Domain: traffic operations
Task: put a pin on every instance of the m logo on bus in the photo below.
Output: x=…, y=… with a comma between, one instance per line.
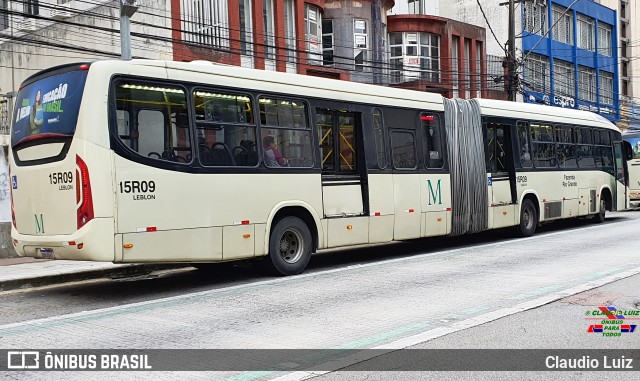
x=435, y=196
x=39, y=224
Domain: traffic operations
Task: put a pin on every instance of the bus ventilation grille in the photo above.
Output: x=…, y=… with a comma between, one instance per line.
x=592, y=205
x=552, y=210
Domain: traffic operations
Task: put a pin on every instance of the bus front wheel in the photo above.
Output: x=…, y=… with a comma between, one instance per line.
x=528, y=219
x=290, y=246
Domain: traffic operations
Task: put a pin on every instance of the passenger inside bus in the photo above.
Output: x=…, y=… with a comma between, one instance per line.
x=246, y=154
x=272, y=156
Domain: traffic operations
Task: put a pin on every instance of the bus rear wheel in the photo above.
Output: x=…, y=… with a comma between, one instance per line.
x=528, y=219
x=600, y=216
x=290, y=246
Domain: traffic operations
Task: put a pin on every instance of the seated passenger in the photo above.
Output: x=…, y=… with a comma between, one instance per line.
x=272, y=157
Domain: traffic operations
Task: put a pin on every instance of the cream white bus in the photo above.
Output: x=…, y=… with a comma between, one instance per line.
x=633, y=138
x=154, y=161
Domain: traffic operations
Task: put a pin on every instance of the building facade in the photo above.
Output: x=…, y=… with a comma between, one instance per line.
x=628, y=32
x=36, y=35
x=430, y=53
x=329, y=38
x=570, y=55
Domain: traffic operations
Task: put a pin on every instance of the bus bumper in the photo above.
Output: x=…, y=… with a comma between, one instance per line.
x=94, y=242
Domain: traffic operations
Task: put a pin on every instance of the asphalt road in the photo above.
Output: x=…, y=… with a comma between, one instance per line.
x=433, y=293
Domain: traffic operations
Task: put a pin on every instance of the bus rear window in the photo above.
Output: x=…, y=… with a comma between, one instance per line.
x=48, y=107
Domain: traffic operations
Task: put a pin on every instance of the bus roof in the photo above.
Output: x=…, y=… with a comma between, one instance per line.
x=543, y=113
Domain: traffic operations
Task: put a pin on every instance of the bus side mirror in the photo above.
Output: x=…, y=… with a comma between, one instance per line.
x=628, y=150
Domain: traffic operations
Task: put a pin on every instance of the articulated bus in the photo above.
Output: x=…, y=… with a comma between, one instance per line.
x=155, y=161
x=633, y=138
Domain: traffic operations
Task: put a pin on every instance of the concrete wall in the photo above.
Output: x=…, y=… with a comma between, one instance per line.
x=468, y=11
x=20, y=59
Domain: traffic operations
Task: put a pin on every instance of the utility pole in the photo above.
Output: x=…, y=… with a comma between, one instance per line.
x=376, y=44
x=512, y=84
x=127, y=9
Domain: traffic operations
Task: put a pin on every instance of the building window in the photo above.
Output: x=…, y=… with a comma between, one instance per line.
x=537, y=73
x=246, y=30
x=313, y=30
x=290, y=29
x=360, y=43
x=606, y=87
x=604, y=40
x=466, y=68
x=327, y=42
x=268, y=29
x=206, y=22
x=586, y=33
x=478, y=80
x=455, y=41
x=414, y=55
x=564, y=78
x=535, y=18
x=563, y=25
x=4, y=16
x=416, y=7
x=586, y=84
x=31, y=7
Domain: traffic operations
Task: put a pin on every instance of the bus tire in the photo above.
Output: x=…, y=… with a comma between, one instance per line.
x=290, y=247
x=601, y=215
x=528, y=219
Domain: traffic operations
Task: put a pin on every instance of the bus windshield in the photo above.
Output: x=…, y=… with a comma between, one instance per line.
x=48, y=107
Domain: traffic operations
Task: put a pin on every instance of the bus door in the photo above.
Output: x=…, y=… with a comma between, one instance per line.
x=344, y=192
x=502, y=187
x=621, y=196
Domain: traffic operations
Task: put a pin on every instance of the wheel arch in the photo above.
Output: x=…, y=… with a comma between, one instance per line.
x=533, y=196
x=298, y=209
x=606, y=195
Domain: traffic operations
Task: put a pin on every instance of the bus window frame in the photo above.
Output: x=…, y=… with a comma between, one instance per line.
x=574, y=142
x=439, y=116
x=310, y=127
x=212, y=125
x=416, y=153
x=122, y=149
x=385, y=139
x=519, y=162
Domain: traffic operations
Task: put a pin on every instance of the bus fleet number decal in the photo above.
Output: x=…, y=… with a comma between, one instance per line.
x=522, y=180
x=139, y=189
x=63, y=179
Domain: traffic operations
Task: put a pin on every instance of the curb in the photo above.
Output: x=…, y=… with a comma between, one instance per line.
x=120, y=272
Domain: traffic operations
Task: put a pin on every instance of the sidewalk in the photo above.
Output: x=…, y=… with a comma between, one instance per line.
x=27, y=272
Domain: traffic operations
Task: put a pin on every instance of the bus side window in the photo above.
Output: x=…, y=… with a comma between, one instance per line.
x=525, y=146
x=160, y=129
x=403, y=149
x=431, y=140
x=379, y=135
x=585, y=148
x=284, y=124
x=124, y=127
x=544, y=146
x=566, y=147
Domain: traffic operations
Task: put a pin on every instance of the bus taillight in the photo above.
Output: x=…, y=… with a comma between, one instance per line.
x=13, y=214
x=83, y=193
